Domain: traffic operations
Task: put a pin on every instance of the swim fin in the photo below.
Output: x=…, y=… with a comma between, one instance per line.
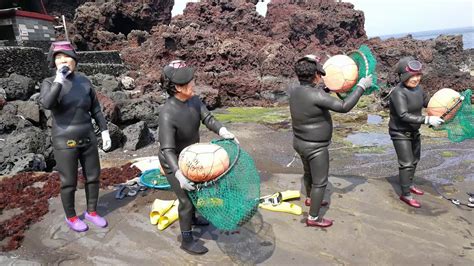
x=282, y=207
x=169, y=218
x=290, y=194
x=276, y=198
x=159, y=208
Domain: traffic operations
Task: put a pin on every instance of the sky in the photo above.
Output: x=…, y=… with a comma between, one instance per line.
x=384, y=17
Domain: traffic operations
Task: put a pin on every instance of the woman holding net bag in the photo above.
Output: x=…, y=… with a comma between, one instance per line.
x=179, y=123
x=406, y=101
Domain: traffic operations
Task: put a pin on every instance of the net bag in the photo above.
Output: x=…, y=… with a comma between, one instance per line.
x=231, y=199
x=366, y=64
x=461, y=127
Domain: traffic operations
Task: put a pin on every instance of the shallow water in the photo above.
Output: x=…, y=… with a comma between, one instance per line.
x=369, y=139
x=374, y=119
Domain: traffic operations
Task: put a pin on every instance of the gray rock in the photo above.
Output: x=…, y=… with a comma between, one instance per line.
x=8, y=123
x=26, y=139
x=26, y=61
x=155, y=133
x=209, y=96
x=105, y=83
x=135, y=110
x=29, y=110
x=17, y=87
x=118, y=96
x=275, y=96
x=137, y=136
x=23, y=163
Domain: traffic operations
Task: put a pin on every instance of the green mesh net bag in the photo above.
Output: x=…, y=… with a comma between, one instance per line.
x=366, y=64
x=461, y=126
x=230, y=200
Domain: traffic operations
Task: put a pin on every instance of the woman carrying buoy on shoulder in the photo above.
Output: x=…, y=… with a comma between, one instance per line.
x=406, y=101
x=310, y=104
x=179, y=123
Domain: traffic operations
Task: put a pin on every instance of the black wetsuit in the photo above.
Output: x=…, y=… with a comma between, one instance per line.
x=179, y=127
x=312, y=129
x=404, y=125
x=72, y=106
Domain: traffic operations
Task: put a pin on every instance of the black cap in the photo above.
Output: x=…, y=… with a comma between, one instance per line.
x=63, y=47
x=403, y=69
x=179, y=73
x=314, y=59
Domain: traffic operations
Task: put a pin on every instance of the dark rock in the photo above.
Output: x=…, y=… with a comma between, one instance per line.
x=135, y=110
x=28, y=110
x=118, y=96
x=109, y=107
x=8, y=123
x=155, y=133
x=208, y=95
x=443, y=59
x=17, y=87
x=137, y=136
x=105, y=83
x=13, y=60
x=104, y=57
x=23, y=163
x=95, y=68
x=25, y=140
x=104, y=27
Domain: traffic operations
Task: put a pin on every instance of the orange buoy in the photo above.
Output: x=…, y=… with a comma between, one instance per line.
x=202, y=162
x=341, y=73
x=442, y=101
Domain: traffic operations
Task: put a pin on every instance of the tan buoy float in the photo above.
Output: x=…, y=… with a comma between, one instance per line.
x=341, y=73
x=203, y=162
x=445, y=102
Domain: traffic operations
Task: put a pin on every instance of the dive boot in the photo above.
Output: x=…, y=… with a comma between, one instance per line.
x=190, y=245
x=320, y=222
x=307, y=202
x=416, y=191
x=410, y=201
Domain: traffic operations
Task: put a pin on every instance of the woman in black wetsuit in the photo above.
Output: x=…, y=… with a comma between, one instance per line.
x=310, y=104
x=73, y=103
x=179, y=123
x=406, y=101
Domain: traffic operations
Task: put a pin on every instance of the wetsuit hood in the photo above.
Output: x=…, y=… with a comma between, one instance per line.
x=61, y=47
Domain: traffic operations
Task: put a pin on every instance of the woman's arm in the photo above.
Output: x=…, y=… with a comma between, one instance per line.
x=49, y=94
x=167, y=134
x=341, y=106
x=96, y=112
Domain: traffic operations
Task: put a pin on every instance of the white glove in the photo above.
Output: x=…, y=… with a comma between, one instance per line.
x=106, y=141
x=225, y=134
x=365, y=82
x=185, y=183
x=433, y=121
x=61, y=73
